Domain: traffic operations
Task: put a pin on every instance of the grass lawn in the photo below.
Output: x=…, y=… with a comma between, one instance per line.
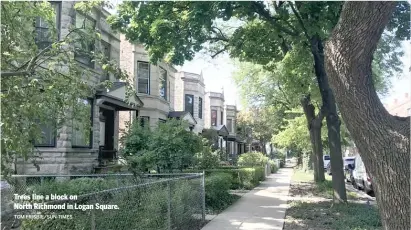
x=311, y=207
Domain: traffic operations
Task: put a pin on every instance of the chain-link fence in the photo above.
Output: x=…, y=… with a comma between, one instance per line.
x=104, y=201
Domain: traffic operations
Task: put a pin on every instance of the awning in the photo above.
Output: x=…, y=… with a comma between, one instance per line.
x=184, y=115
x=230, y=138
x=221, y=130
x=116, y=97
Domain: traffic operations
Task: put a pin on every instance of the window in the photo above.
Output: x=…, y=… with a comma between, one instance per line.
x=86, y=46
x=145, y=121
x=162, y=120
x=222, y=117
x=82, y=134
x=143, y=76
x=230, y=125
x=189, y=104
x=43, y=36
x=214, y=117
x=163, y=83
x=48, y=136
x=200, y=108
x=105, y=49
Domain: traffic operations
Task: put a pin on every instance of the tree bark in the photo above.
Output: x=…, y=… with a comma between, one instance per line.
x=382, y=139
x=333, y=122
x=314, y=126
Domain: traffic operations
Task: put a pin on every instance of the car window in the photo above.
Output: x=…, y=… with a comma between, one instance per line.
x=326, y=158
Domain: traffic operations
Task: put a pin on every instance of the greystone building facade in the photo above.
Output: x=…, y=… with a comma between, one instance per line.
x=161, y=93
x=69, y=150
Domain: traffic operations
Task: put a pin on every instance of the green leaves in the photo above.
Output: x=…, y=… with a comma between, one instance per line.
x=167, y=147
x=54, y=82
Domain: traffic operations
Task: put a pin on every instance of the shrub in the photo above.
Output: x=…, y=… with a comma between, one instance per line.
x=241, y=178
x=207, y=159
x=140, y=208
x=273, y=166
x=217, y=186
x=252, y=159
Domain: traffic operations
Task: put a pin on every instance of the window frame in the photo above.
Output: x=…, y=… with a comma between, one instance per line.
x=58, y=25
x=222, y=118
x=230, y=127
x=142, y=119
x=216, y=117
x=54, y=142
x=148, y=78
x=192, y=105
x=104, y=44
x=163, y=83
x=90, y=145
x=92, y=46
x=200, y=107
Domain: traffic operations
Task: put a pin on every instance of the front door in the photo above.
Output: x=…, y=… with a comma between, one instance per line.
x=107, y=147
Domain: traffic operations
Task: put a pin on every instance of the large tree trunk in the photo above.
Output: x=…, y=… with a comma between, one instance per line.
x=333, y=122
x=314, y=126
x=382, y=139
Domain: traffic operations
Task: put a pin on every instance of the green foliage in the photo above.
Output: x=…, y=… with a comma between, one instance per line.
x=241, y=178
x=252, y=159
x=217, y=187
x=273, y=166
x=207, y=159
x=212, y=137
x=169, y=146
x=140, y=208
x=42, y=85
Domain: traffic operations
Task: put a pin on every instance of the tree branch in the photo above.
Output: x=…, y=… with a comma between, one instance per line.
x=220, y=51
x=300, y=21
x=260, y=10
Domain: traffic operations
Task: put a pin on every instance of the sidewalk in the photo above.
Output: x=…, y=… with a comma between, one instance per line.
x=262, y=208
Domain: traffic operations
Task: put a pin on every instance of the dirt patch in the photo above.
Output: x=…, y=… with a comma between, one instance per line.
x=311, y=208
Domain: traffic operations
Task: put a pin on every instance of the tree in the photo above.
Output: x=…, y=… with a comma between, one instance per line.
x=177, y=30
x=41, y=82
x=382, y=139
x=262, y=123
x=280, y=85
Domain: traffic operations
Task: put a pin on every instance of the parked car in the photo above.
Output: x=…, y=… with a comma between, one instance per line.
x=349, y=170
x=326, y=160
x=361, y=179
x=346, y=162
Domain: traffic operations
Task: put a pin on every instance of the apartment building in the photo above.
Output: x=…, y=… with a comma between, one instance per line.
x=70, y=150
x=236, y=142
x=189, y=97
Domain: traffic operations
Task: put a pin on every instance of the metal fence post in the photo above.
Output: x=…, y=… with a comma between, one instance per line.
x=203, y=196
x=93, y=218
x=169, y=205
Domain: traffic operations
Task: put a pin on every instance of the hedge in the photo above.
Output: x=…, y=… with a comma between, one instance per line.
x=241, y=178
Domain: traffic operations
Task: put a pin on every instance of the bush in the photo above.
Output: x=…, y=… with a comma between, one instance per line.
x=140, y=208
x=273, y=166
x=217, y=195
x=207, y=159
x=252, y=159
x=241, y=178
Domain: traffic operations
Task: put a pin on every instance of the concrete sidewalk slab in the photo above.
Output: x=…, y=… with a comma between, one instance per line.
x=262, y=208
